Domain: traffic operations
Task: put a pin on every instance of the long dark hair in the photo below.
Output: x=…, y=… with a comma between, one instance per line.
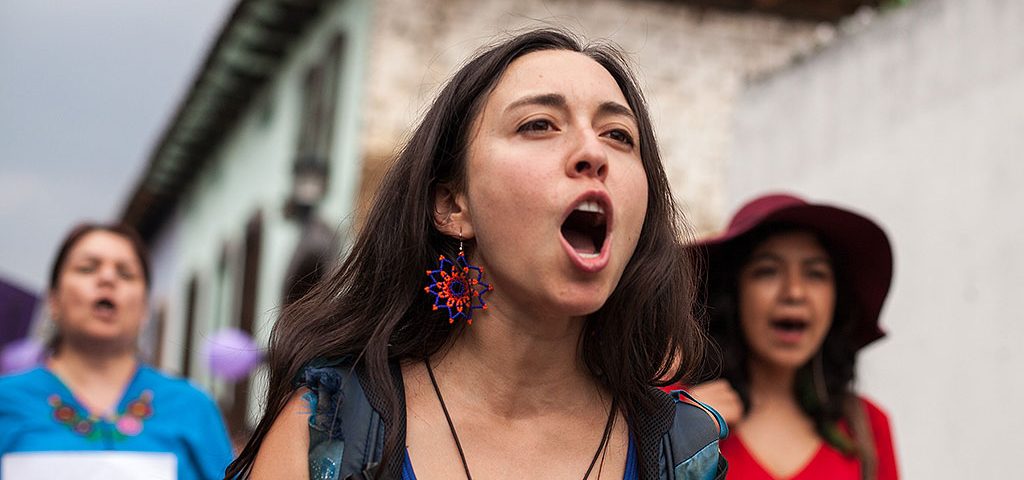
x=373, y=307
x=824, y=386
x=76, y=234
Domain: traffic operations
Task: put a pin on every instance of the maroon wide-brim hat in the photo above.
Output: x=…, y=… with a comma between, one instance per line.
x=859, y=246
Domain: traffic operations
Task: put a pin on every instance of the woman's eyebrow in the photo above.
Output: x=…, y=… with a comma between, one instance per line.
x=84, y=257
x=615, y=108
x=557, y=100
x=816, y=260
x=764, y=256
x=545, y=99
x=770, y=256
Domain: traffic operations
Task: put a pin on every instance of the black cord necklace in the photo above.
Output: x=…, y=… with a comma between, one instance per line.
x=462, y=454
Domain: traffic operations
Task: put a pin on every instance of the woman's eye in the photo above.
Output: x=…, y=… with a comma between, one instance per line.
x=85, y=268
x=621, y=136
x=539, y=125
x=820, y=274
x=763, y=271
x=126, y=274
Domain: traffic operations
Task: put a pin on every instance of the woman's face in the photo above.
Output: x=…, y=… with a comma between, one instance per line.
x=100, y=298
x=556, y=191
x=787, y=297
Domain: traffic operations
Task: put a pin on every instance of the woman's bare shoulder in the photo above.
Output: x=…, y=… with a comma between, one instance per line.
x=284, y=452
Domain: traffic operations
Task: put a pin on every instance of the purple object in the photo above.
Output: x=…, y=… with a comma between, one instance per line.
x=232, y=354
x=21, y=355
x=17, y=306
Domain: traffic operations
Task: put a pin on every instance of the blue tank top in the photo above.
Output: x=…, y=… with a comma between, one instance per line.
x=631, y=472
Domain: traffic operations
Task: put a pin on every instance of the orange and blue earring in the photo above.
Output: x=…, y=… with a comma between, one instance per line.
x=455, y=285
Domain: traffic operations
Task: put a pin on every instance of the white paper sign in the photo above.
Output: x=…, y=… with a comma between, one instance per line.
x=89, y=466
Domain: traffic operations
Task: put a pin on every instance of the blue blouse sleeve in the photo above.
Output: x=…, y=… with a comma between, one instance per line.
x=19, y=405
x=209, y=448
x=216, y=453
x=10, y=419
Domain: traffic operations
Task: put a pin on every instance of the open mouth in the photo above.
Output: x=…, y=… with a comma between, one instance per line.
x=586, y=228
x=104, y=306
x=790, y=325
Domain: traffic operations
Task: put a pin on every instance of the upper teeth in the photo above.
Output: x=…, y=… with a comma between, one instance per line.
x=590, y=207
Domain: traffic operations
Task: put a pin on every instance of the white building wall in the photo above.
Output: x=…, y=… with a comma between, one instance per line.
x=250, y=172
x=163, y=294
x=917, y=121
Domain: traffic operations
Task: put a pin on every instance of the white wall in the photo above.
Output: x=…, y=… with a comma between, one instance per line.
x=918, y=121
x=165, y=292
x=249, y=172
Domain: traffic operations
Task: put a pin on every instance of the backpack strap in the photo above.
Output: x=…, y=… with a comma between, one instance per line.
x=682, y=396
x=691, y=444
x=346, y=434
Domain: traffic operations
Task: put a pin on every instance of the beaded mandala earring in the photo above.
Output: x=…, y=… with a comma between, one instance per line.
x=454, y=287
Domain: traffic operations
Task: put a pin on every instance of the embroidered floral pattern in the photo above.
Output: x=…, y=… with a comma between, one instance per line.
x=128, y=424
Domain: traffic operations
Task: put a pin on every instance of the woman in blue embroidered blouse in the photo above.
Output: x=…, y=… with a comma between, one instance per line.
x=93, y=410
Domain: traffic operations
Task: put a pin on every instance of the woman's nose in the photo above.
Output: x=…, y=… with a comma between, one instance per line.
x=106, y=275
x=588, y=158
x=794, y=289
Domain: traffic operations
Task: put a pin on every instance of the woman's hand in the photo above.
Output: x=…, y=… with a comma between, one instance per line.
x=720, y=395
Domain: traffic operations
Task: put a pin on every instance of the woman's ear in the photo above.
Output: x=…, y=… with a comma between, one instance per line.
x=451, y=213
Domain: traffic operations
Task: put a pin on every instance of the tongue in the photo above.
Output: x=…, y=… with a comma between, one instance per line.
x=580, y=241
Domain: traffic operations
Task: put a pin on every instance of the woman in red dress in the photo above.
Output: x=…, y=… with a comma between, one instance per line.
x=794, y=291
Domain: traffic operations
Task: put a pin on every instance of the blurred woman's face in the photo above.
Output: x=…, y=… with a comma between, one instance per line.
x=556, y=192
x=100, y=297
x=787, y=298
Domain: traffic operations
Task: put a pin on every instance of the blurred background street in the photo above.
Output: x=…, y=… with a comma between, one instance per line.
x=242, y=138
